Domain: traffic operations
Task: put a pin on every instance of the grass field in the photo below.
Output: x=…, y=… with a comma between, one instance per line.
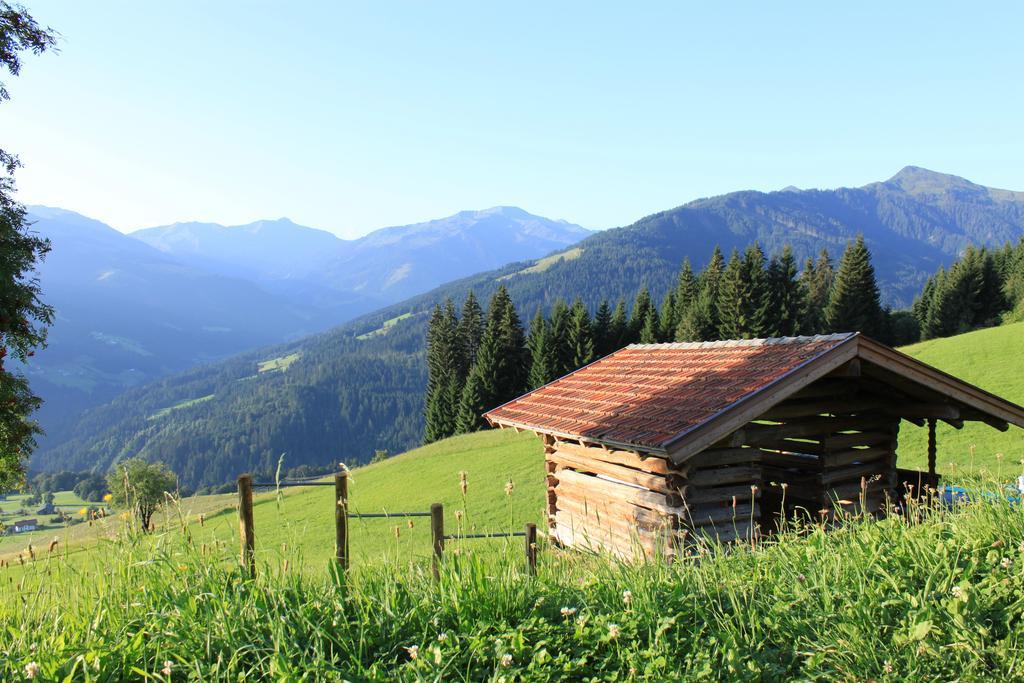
x=936, y=595
x=281, y=363
x=387, y=325
x=544, y=263
x=993, y=359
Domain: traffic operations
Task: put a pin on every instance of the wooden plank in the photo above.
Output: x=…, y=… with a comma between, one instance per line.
x=790, y=459
x=814, y=427
x=848, y=457
x=827, y=388
x=794, y=446
x=654, y=482
x=844, y=441
x=724, y=456
x=655, y=501
x=620, y=527
x=604, y=499
x=625, y=512
x=725, y=475
x=652, y=464
x=694, y=495
x=831, y=406
x=830, y=477
x=603, y=536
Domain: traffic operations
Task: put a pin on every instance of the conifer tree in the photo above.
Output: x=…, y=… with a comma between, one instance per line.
x=854, y=302
x=558, y=332
x=729, y=309
x=757, y=303
x=581, y=336
x=643, y=310
x=667, y=321
x=816, y=282
x=786, y=295
x=444, y=383
x=500, y=372
x=472, y=404
x=471, y=330
x=651, y=329
x=618, y=330
x=686, y=293
x=603, y=330
x=710, y=281
x=543, y=359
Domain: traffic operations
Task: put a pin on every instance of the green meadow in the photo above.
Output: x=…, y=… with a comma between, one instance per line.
x=925, y=596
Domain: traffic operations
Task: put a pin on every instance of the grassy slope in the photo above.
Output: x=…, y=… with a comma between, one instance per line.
x=993, y=359
x=303, y=518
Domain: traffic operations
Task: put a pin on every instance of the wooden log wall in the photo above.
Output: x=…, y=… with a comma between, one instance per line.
x=627, y=503
x=832, y=444
x=612, y=500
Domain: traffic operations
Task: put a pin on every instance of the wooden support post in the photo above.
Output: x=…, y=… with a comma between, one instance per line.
x=246, y=534
x=531, y=548
x=341, y=520
x=931, y=446
x=437, y=535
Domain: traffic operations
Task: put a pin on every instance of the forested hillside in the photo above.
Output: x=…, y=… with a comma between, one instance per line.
x=348, y=392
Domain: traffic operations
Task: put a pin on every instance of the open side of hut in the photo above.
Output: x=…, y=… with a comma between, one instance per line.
x=657, y=443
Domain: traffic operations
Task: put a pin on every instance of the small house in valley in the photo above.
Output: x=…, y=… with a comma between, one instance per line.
x=657, y=444
x=23, y=525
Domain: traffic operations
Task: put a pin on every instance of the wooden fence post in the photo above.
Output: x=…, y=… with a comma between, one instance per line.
x=246, y=534
x=531, y=548
x=437, y=536
x=931, y=447
x=341, y=520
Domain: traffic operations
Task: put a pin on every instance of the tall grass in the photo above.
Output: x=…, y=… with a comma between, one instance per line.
x=936, y=594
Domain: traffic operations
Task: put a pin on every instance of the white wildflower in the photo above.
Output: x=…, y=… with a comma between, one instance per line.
x=168, y=665
x=442, y=637
x=506, y=660
x=568, y=611
x=613, y=631
x=414, y=651
x=627, y=597
x=1006, y=563
x=31, y=670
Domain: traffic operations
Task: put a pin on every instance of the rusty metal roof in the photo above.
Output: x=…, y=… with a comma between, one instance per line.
x=648, y=395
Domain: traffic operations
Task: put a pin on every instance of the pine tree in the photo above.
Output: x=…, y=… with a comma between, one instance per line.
x=581, y=336
x=618, y=330
x=729, y=309
x=471, y=329
x=500, y=373
x=543, y=360
x=472, y=404
x=756, y=305
x=786, y=295
x=559, y=337
x=686, y=294
x=444, y=383
x=667, y=317
x=854, y=302
x=816, y=282
x=603, y=330
x=710, y=282
x=643, y=311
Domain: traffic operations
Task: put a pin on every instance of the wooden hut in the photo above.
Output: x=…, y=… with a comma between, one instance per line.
x=658, y=443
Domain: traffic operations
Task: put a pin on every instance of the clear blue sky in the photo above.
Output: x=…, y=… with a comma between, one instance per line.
x=352, y=117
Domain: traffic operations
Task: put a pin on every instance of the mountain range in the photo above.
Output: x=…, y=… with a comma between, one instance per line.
x=343, y=393
x=133, y=308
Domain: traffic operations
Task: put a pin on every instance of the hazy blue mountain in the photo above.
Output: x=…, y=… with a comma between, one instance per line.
x=359, y=387
x=355, y=276
x=127, y=314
